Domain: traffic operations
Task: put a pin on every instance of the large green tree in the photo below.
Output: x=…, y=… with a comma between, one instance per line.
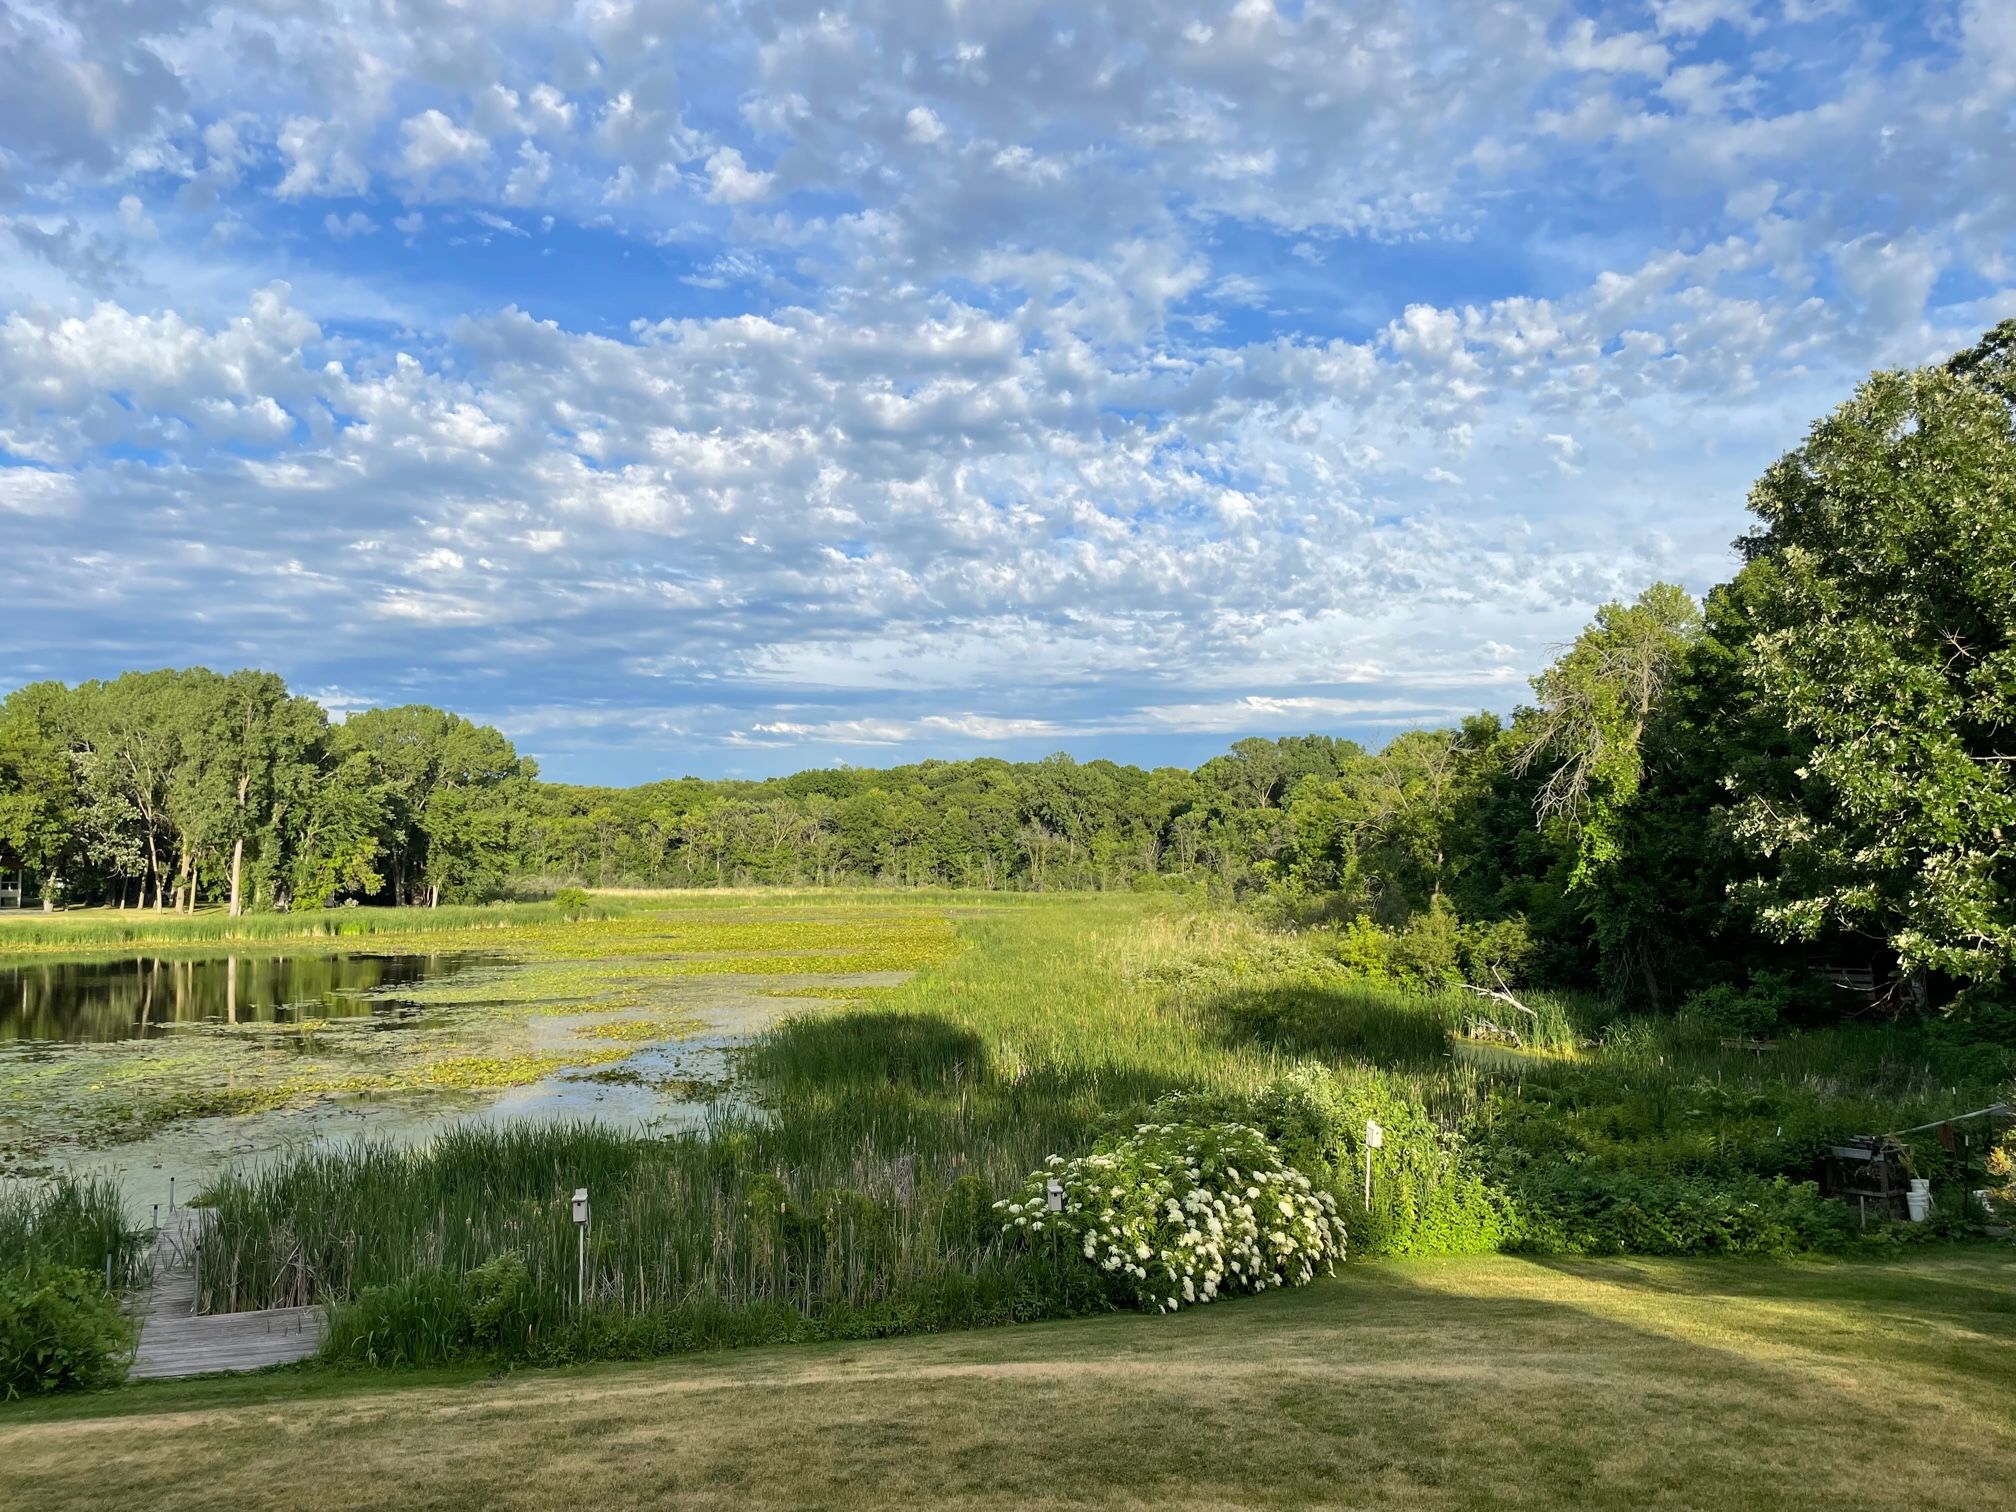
x=41, y=820
x=1887, y=641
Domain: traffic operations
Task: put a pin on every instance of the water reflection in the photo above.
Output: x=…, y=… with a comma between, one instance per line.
x=146, y=996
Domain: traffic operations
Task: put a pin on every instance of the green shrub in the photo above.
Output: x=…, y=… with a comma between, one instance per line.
x=1566, y=1211
x=421, y=1319
x=503, y=1312
x=571, y=899
x=60, y=1330
x=1425, y=1198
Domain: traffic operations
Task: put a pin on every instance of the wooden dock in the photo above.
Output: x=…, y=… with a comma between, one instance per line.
x=176, y=1340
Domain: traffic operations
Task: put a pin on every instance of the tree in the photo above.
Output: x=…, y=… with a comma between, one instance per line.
x=1586, y=737
x=450, y=794
x=1887, y=640
x=41, y=826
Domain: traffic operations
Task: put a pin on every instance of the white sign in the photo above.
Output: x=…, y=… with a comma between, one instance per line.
x=1375, y=1137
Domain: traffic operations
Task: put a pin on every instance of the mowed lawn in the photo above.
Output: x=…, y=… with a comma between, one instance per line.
x=1483, y=1383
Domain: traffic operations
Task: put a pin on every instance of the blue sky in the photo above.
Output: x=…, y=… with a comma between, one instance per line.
x=733, y=388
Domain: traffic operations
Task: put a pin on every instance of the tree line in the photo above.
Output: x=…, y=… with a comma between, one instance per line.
x=1814, y=765
x=160, y=789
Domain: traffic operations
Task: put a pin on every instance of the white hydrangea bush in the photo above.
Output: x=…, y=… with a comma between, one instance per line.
x=1176, y=1214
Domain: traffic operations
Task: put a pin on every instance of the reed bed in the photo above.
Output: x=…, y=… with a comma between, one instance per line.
x=71, y=1223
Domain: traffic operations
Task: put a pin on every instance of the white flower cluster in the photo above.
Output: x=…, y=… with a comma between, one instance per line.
x=1177, y=1213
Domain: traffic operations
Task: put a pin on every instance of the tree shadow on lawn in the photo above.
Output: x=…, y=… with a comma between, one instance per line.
x=1360, y=1021
x=1940, y=1308
x=1508, y=1383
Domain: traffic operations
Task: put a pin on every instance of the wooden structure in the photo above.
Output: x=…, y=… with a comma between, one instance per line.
x=176, y=1340
x=1872, y=1172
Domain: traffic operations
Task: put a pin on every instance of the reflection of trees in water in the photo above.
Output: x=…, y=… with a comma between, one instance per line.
x=117, y=1000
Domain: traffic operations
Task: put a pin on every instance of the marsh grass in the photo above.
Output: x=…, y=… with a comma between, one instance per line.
x=96, y=930
x=71, y=1223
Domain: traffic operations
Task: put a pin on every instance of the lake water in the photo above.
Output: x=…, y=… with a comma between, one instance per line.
x=147, y=996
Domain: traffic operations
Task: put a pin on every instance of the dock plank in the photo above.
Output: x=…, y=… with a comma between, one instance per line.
x=176, y=1340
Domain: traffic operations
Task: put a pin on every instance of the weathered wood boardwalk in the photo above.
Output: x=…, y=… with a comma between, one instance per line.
x=175, y=1340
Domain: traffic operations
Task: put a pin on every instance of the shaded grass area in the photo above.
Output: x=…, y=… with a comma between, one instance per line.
x=1490, y=1383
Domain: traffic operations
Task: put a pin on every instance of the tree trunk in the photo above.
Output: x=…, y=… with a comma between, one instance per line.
x=238, y=846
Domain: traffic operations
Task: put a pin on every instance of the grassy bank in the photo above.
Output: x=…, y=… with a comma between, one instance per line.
x=1424, y=1386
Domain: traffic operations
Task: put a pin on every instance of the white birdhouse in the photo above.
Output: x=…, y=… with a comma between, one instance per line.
x=581, y=1206
x=1054, y=1192
x=1375, y=1137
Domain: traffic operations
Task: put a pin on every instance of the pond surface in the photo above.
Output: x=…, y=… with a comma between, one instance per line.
x=147, y=996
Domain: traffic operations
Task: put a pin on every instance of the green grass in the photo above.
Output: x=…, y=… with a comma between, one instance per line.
x=70, y=1223
x=1487, y=1384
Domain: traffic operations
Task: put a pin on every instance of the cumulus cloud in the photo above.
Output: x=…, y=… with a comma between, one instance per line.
x=732, y=182
x=434, y=143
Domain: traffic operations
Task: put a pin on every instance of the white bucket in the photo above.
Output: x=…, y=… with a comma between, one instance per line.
x=1920, y=1203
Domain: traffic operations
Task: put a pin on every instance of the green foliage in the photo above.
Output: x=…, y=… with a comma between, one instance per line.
x=1566, y=1211
x=69, y=1222
x=1426, y=1200
x=571, y=900
x=60, y=1330
x=1887, y=638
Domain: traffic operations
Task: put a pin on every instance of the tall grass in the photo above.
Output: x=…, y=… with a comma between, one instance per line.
x=101, y=928
x=70, y=1222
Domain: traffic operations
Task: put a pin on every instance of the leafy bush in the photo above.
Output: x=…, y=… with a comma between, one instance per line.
x=1771, y=1000
x=2001, y=1168
x=1566, y=1211
x=1175, y=1213
x=503, y=1311
x=59, y=1330
x=1426, y=1200
x=1435, y=949
x=571, y=899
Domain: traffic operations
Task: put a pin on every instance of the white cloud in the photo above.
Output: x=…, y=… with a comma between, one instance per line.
x=319, y=160
x=1688, y=17
x=344, y=227
x=732, y=181
x=434, y=143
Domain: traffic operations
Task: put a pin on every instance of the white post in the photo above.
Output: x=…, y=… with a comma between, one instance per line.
x=581, y=1250
x=1374, y=1138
